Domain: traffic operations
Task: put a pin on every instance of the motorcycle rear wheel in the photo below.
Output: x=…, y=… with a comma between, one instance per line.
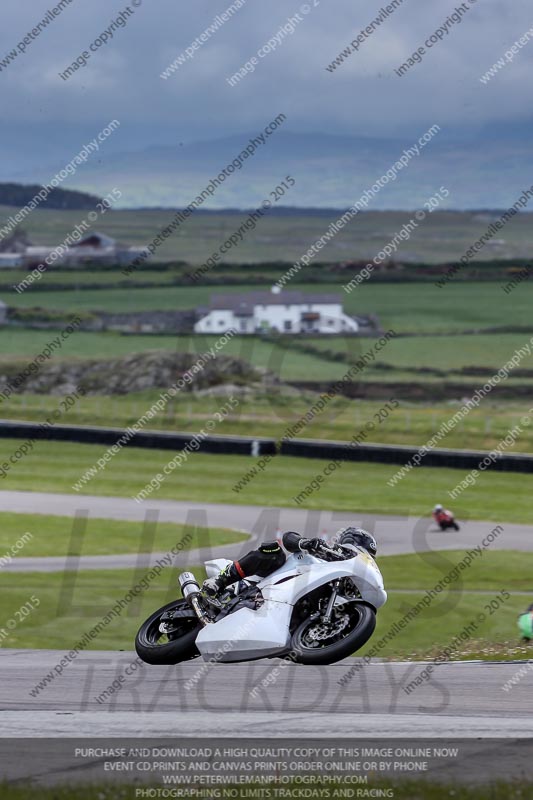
x=154, y=647
x=309, y=643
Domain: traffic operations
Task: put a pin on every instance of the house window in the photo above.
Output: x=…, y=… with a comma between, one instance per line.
x=220, y=322
x=287, y=325
x=331, y=322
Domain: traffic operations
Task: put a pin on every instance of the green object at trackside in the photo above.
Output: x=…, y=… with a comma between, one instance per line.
x=525, y=623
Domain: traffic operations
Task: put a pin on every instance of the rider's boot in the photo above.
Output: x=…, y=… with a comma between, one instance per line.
x=215, y=586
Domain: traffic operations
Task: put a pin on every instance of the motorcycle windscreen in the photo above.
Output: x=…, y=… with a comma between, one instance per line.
x=247, y=634
x=214, y=567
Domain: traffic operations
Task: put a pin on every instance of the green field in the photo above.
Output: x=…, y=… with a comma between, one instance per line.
x=444, y=236
x=79, y=278
x=94, y=592
x=272, y=416
x=428, y=359
x=357, y=487
x=16, y=342
x=54, y=536
x=406, y=307
x=441, y=354
x=400, y=360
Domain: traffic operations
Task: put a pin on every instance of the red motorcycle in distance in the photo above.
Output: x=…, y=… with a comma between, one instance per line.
x=444, y=518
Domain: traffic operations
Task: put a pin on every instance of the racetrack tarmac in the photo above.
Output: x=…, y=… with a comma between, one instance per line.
x=394, y=534
x=460, y=699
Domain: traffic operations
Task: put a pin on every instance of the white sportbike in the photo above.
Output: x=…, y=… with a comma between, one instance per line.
x=318, y=608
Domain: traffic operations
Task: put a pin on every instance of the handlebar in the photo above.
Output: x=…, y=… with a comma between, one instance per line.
x=332, y=555
x=295, y=543
x=291, y=541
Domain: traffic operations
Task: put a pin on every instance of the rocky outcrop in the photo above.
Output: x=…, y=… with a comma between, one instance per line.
x=156, y=369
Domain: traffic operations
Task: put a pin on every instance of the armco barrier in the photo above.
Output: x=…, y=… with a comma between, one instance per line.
x=260, y=446
x=156, y=440
x=400, y=454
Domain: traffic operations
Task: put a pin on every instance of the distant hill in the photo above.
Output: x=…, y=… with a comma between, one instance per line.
x=481, y=169
x=18, y=195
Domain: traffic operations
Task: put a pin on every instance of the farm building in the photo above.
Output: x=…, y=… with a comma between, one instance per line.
x=11, y=260
x=12, y=249
x=284, y=312
x=97, y=247
x=18, y=251
x=94, y=247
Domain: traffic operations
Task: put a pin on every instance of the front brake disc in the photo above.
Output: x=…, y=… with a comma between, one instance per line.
x=326, y=630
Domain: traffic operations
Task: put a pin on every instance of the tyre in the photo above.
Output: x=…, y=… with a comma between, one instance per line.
x=178, y=644
x=314, y=642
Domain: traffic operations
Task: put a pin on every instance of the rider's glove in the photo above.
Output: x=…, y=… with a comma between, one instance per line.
x=311, y=544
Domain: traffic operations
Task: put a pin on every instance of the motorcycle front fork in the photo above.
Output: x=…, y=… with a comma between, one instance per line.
x=331, y=602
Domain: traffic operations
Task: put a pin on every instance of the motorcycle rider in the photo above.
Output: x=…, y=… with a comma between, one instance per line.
x=358, y=537
x=270, y=556
x=444, y=518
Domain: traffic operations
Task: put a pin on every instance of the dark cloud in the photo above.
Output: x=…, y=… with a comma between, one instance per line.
x=362, y=97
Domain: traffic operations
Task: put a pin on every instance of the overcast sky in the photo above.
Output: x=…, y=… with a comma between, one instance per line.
x=45, y=117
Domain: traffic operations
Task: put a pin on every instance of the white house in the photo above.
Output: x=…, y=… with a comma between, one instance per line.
x=285, y=312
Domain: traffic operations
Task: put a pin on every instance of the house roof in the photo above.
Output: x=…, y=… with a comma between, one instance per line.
x=95, y=239
x=244, y=303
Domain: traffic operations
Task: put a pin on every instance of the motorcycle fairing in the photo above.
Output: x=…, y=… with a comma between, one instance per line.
x=248, y=634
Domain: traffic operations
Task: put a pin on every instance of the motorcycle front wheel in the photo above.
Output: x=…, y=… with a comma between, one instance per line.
x=316, y=642
x=171, y=646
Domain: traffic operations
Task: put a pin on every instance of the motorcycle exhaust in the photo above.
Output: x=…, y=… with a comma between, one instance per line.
x=190, y=589
x=189, y=585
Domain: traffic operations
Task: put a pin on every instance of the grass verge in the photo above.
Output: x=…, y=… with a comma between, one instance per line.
x=72, y=603
x=55, y=536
